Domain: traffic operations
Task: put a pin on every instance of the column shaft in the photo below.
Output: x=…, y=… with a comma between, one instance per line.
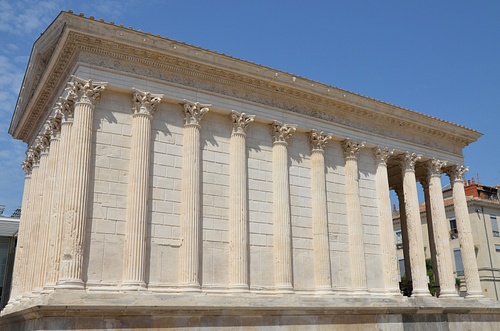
x=354, y=220
x=389, y=255
x=469, y=261
x=138, y=187
x=440, y=232
x=413, y=222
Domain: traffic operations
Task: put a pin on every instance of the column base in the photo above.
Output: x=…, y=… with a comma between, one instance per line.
x=420, y=293
x=448, y=294
x=359, y=291
x=48, y=288
x=284, y=288
x=76, y=284
x=238, y=288
x=474, y=295
x=189, y=287
x=133, y=286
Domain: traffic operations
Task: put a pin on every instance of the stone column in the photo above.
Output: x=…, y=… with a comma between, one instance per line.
x=283, y=273
x=238, y=203
x=59, y=195
x=404, y=232
x=134, y=263
x=84, y=94
x=413, y=223
x=189, y=255
x=389, y=256
x=321, y=244
x=16, y=291
x=430, y=230
x=440, y=230
x=471, y=273
x=39, y=224
x=354, y=221
x=52, y=130
x=30, y=239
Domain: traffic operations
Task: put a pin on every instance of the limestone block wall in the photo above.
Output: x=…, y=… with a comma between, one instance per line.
x=109, y=179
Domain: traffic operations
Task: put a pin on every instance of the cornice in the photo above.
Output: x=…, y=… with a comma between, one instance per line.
x=115, y=47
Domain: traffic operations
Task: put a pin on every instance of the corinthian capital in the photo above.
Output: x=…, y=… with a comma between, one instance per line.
x=84, y=91
x=145, y=102
x=194, y=111
x=282, y=132
x=382, y=155
x=408, y=161
x=351, y=148
x=457, y=172
x=318, y=140
x=240, y=121
x=66, y=106
x=435, y=167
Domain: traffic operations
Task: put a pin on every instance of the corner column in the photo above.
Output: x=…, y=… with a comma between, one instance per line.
x=354, y=221
x=471, y=273
x=321, y=244
x=413, y=223
x=189, y=257
x=283, y=273
x=84, y=94
x=238, y=203
x=144, y=104
x=440, y=230
x=389, y=255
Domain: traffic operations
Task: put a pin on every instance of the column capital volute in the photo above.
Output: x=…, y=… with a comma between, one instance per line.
x=194, y=111
x=145, y=102
x=408, y=161
x=382, y=155
x=456, y=172
x=351, y=148
x=282, y=132
x=240, y=121
x=318, y=140
x=84, y=91
x=435, y=167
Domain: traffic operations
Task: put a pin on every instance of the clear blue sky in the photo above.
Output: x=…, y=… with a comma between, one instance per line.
x=441, y=58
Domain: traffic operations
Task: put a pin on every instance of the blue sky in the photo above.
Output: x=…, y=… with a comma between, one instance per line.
x=441, y=58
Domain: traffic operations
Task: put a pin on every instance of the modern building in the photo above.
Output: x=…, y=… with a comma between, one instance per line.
x=169, y=186
x=9, y=226
x=483, y=204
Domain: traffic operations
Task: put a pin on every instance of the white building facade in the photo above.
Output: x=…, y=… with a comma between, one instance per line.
x=172, y=186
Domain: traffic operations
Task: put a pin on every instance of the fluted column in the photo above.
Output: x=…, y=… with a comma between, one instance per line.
x=238, y=203
x=84, y=94
x=430, y=230
x=440, y=230
x=471, y=273
x=144, y=104
x=389, y=256
x=413, y=222
x=321, y=244
x=30, y=238
x=354, y=221
x=404, y=232
x=16, y=291
x=283, y=273
x=39, y=224
x=52, y=130
x=59, y=195
x=189, y=255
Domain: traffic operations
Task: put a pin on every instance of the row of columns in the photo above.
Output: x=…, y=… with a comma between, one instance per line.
x=54, y=224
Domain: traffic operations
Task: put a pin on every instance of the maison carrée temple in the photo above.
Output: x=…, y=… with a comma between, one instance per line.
x=173, y=187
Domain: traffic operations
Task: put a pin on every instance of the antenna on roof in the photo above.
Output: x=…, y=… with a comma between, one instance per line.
x=477, y=177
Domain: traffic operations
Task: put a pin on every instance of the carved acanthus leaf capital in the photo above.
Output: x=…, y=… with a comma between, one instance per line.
x=145, y=102
x=194, y=111
x=66, y=106
x=318, y=140
x=27, y=166
x=282, y=132
x=240, y=121
x=84, y=91
x=351, y=148
x=457, y=172
x=382, y=154
x=435, y=167
x=408, y=161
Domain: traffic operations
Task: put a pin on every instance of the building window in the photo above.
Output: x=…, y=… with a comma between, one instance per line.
x=497, y=248
x=453, y=229
x=399, y=239
x=458, y=262
x=402, y=271
x=494, y=226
